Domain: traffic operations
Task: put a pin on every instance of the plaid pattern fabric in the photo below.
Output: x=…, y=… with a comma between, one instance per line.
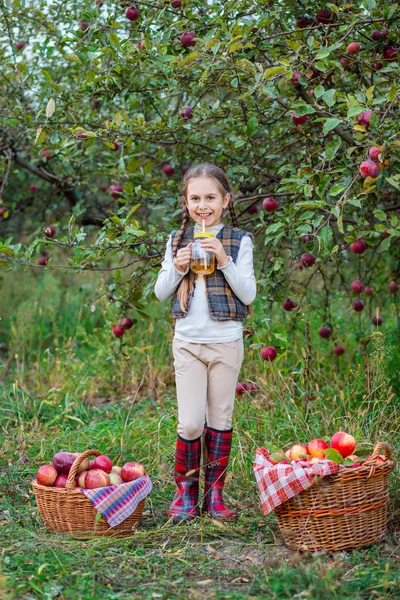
x=117, y=502
x=187, y=459
x=217, y=448
x=277, y=483
x=222, y=302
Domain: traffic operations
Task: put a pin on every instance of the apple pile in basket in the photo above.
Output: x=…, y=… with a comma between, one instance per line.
x=99, y=472
x=339, y=450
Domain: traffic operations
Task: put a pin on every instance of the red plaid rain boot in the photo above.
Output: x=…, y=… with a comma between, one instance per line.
x=187, y=459
x=217, y=447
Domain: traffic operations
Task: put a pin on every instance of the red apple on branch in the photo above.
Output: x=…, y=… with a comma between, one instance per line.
x=268, y=353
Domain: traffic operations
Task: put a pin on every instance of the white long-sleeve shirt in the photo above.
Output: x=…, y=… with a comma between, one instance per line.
x=198, y=326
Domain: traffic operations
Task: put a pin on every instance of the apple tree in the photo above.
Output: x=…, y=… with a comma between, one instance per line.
x=105, y=105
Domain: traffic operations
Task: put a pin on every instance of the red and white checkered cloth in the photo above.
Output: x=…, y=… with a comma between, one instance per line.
x=277, y=483
x=117, y=502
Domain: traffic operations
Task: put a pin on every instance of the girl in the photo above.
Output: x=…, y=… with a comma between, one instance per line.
x=208, y=341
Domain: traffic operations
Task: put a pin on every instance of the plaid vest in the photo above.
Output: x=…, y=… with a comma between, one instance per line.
x=222, y=302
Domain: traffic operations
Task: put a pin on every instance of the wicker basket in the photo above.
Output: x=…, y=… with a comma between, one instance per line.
x=343, y=511
x=67, y=510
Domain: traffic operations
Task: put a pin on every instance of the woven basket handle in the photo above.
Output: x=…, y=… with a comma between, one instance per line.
x=70, y=484
x=380, y=448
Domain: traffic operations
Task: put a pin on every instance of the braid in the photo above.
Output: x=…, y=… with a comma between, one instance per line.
x=184, y=226
x=232, y=213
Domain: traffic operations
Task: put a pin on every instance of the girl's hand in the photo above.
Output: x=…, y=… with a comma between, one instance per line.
x=182, y=259
x=215, y=246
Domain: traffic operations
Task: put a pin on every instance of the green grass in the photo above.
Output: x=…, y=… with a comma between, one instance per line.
x=67, y=384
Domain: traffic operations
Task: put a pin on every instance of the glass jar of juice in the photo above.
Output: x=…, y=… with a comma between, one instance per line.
x=201, y=262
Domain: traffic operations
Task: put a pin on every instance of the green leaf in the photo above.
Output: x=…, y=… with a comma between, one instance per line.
x=273, y=71
x=332, y=148
x=394, y=182
x=114, y=39
x=333, y=455
x=330, y=124
x=252, y=125
x=329, y=97
x=380, y=215
x=74, y=58
x=336, y=189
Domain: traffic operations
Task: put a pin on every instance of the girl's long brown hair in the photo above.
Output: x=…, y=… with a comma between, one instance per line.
x=225, y=187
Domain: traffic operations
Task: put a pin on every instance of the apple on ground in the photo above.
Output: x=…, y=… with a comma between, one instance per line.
x=46, y=475
x=343, y=443
x=102, y=462
x=132, y=471
x=316, y=448
x=96, y=478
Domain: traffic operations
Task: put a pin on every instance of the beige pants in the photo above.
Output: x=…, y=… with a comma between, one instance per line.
x=206, y=377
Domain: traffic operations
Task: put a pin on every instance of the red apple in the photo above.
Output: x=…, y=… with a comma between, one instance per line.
x=33, y=187
x=343, y=443
x=393, y=287
x=378, y=65
x=288, y=304
x=188, y=39
x=358, y=246
x=358, y=305
x=377, y=321
x=369, y=168
x=115, y=479
x=374, y=152
x=118, y=331
x=132, y=13
x=298, y=120
x=249, y=332
x=80, y=479
x=186, y=112
x=141, y=45
x=46, y=475
x=368, y=291
x=176, y=3
x=168, y=170
x=20, y=45
x=363, y=119
x=325, y=332
x=241, y=388
x=339, y=350
x=115, y=191
x=96, y=478
x=308, y=259
x=295, y=78
x=390, y=54
x=42, y=261
x=298, y=451
x=63, y=461
x=317, y=447
x=344, y=62
x=268, y=353
x=49, y=231
x=61, y=481
x=253, y=209
x=132, y=471
x=357, y=286
x=324, y=16
x=85, y=464
x=126, y=323
x=376, y=35
x=101, y=462
x=47, y=154
x=83, y=25
x=303, y=22
x=269, y=204
x=353, y=47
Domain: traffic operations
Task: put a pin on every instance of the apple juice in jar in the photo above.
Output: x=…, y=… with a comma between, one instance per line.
x=201, y=262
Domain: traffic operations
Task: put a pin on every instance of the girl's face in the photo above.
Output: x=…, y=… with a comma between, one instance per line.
x=204, y=201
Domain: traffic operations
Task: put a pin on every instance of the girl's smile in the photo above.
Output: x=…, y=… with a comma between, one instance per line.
x=205, y=201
